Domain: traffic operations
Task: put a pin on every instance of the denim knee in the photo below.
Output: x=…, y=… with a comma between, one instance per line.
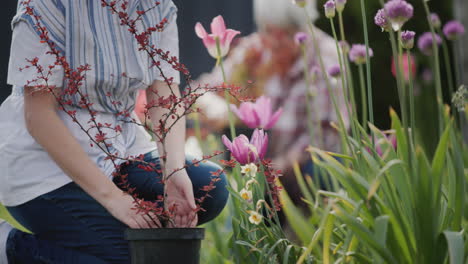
x=214, y=199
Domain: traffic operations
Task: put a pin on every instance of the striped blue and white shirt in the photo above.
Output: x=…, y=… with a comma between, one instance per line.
x=85, y=33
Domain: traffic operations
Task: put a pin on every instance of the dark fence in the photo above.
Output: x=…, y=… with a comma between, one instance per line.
x=6, y=14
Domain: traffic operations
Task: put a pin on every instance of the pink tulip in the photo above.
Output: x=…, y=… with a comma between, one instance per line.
x=218, y=32
x=258, y=114
x=245, y=151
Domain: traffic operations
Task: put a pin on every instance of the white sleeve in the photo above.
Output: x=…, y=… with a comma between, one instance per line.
x=26, y=45
x=169, y=41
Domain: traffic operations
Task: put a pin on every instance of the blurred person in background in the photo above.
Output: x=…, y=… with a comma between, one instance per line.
x=270, y=62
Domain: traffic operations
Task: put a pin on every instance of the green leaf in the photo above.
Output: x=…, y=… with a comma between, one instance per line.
x=400, y=134
x=7, y=217
x=286, y=254
x=296, y=218
x=441, y=152
x=378, y=179
x=455, y=245
x=365, y=235
x=381, y=228
x=327, y=235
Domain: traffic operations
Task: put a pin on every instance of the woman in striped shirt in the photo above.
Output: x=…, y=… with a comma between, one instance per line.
x=57, y=184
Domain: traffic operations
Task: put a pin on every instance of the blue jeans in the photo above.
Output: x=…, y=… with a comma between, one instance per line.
x=69, y=226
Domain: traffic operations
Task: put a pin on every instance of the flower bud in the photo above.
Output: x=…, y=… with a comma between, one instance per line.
x=334, y=71
x=407, y=39
x=330, y=9
x=435, y=20
x=300, y=38
x=340, y=5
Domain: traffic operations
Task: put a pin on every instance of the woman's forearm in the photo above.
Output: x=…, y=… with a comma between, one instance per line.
x=46, y=127
x=175, y=154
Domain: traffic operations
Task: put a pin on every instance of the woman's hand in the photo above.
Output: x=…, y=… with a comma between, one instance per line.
x=180, y=196
x=121, y=206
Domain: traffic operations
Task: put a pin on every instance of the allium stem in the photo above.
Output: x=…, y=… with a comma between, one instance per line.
x=412, y=138
x=457, y=63
x=310, y=124
x=342, y=32
x=327, y=81
x=308, y=82
x=363, y=97
x=412, y=102
x=368, y=65
x=349, y=103
x=399, y=75
x=448, y=65
x=404, y=99
x=436, y=69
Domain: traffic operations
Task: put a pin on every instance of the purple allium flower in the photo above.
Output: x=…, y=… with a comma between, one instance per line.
x=398, y=13
x=357, y=54
x=330, y=8
x=300, y=3
x=407, y=39
x=300, y=38
x=381, y=20
x=453, y=30
x=425, y=42
x=340, y=5
x=334, y=71
x=435, y=20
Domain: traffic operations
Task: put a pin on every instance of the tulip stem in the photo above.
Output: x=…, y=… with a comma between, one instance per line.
x=198, y=134
x=227, y=97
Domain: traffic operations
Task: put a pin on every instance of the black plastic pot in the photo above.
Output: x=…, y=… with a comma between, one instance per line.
x=165, y=245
